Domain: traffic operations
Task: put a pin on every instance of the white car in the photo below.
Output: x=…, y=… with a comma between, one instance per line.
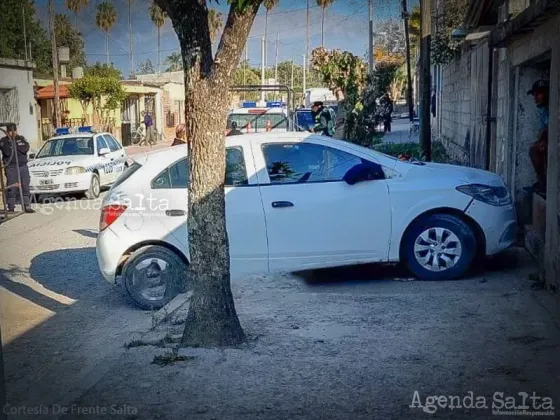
x=79, y=162
x=299, y=201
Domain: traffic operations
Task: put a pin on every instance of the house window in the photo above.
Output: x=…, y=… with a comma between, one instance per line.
x=170, y=119
x=9, y=106
x=180, y=107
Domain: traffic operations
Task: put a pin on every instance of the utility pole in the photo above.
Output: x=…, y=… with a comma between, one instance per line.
x=307, y=34
x=408, y=65
x=276, y=60
x=262, y=67
x=55, y=65
x=304, y=76
x=425, y=80
x=245, y=69
x=370, y=51
x=24, y=32
x=130, y=37
x=292, y=83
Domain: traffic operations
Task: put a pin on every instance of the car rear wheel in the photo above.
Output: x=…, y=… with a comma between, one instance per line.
x=439, y=247
x=94, y=188
x=153, y=276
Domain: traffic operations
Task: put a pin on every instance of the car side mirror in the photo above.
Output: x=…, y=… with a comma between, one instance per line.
x=363, y=172
x=32, y=155
x=104, y=151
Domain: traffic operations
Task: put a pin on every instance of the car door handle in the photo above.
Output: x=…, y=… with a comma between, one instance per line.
x=175, y=213
x=279, y=204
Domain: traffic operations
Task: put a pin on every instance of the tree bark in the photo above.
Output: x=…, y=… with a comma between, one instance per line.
x=212, y=319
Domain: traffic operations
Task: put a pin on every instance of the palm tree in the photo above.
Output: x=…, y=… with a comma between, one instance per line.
x=268, y=4
x=174, y=62
x=75, y=6
x=214, y=23
x=158, y=17
x=323, y=4
x=105, y=19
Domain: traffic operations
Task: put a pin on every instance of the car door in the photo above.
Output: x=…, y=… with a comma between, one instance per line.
x=313, y=217
x=103, y=166
x=244, y=213
x=116, y=157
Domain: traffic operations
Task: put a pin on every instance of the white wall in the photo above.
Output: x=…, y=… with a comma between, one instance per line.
x=21, y=79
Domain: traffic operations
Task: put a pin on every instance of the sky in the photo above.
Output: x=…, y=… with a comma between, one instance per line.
x=346, y=28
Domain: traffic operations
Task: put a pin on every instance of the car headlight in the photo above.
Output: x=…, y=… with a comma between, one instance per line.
x=495, y=196
x=75, y=170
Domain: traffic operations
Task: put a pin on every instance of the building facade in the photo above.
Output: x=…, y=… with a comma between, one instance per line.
x=488, y=120
x=17, y=102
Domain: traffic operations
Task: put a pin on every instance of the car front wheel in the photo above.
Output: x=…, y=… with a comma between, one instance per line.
x=439, y=247
x=94, y=187
x=153, y=276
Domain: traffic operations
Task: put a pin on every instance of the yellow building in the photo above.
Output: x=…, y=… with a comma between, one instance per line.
x=120, y=122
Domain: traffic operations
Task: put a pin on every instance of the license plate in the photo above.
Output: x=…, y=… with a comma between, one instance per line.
x=46, y=182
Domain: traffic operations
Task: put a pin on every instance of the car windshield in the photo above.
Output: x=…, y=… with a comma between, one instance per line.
x=68, y=146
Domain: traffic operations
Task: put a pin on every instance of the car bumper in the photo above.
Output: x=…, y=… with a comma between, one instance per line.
x=60, y=184
x=108, y=257
x=498, y=223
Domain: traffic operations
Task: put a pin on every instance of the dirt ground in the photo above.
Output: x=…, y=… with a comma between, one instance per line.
x=343, y=344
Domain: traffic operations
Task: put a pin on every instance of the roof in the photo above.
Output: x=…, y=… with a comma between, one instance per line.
x=47, y=92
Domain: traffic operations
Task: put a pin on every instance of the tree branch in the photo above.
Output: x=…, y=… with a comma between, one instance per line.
x=238, y=25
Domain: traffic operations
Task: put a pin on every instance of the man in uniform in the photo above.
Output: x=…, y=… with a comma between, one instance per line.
x=539, y=150
x=14, y=150
x=323, y=120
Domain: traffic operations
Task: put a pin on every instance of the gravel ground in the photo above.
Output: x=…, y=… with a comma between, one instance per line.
x=334, y=344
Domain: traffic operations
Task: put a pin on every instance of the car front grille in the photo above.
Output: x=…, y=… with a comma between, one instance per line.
x=48, y=187
x=46, y=174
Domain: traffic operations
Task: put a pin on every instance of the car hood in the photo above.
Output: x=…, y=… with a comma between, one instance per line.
x=459, y=174
x=61, y=162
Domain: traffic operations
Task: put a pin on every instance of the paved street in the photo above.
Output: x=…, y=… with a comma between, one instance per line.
x=400, y=132
x=325, y=345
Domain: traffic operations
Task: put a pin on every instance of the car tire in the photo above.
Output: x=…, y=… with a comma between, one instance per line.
x=140, y=266
x=439, y=247
x=94, y=188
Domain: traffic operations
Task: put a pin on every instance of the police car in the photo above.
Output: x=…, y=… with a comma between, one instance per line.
x=74, y=162
x=252, y=119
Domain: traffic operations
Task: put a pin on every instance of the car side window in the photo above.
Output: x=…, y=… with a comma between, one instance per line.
x=175, y=176
x=101, y=144
x=112, y=143
x=236, y=172
x=307, y=162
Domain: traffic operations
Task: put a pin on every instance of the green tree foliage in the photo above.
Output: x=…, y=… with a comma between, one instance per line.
x=104, y=94
x=145, y=67
x=174, y=62
x=214, y=23
x=76, y=6
x=449, y=17
x=12, y=43
x=103, y=70
x=105, y=19
x=68, y=36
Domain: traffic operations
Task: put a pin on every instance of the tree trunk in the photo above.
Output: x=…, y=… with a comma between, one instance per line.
x=212, y=319
x=107, y=46
x=265, y=37
x=158, y=49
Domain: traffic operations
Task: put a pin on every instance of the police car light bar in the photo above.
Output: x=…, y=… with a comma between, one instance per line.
x=62, y=131
x=85, y=129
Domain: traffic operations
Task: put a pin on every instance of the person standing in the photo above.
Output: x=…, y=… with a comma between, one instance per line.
x=234, y=130
x=538, y=152
x=322, y=119
x=149, y=123
x=14, y=150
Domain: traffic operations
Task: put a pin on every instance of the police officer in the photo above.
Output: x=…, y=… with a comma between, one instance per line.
x=14, y=150
x=323, y=120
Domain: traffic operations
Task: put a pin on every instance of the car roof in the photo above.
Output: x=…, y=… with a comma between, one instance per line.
x=76, y=135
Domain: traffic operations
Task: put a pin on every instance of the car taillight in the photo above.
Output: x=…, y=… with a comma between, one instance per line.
x=109, y=214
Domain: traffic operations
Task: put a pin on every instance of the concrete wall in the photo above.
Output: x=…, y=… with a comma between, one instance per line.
x=18, y=75
x=454, y=110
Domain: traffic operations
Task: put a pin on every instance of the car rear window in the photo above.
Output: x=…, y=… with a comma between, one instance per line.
x=128, y=172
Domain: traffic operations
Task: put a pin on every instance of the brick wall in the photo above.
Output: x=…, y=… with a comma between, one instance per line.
x=455, y=108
